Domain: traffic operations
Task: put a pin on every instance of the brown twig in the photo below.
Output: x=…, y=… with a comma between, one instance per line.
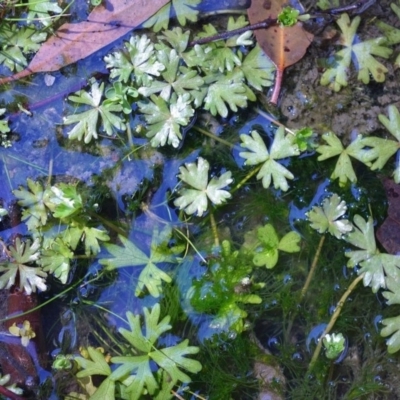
x=226, y=35
x=357, y=7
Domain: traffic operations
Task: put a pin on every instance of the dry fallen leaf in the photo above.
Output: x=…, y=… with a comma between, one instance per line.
x=283, y=45
x=388, y=233
x=73, y=42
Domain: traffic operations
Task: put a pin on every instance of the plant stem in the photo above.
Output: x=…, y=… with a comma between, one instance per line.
x=212, y=136
x=214, y=229
x=278, y=85
x=246, y=178
x=313, y=268
x=334, y=317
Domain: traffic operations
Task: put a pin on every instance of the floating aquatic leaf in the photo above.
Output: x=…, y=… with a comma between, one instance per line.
x=196, y=199
x=165, y=120
x=392, y=327
x=39, y=11
x=21, y=254
x=271, y=170
x=382, y=149
x=265, y=244
x=137, y=62
x=78, y=231
x=96, y=364
x=17, y=43
x=56, y=259
x=176, y=78
x=226, y=90
x=86, y=122
x=378, y=268
x=36, y=202
x=344, y=168
x=326, y=218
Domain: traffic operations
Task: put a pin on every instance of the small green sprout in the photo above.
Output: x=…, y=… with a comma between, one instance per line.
x=288, y=17
x=304, y=139
x=334, y=345
x=63, y=362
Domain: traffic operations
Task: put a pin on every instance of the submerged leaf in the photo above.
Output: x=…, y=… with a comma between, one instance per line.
x=151, y=276
x=362, y=52
x=183, y=9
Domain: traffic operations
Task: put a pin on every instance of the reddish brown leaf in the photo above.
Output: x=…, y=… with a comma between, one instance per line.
x=73, y=42
x=283, y=45
x=388, y=233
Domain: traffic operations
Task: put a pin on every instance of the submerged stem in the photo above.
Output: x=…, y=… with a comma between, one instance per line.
x=212, y=136
x=246, y=178
x=334, y=317
x=214, y=230
x=313, y=268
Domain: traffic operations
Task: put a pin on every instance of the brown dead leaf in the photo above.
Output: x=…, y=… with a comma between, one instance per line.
x=283, y=45
x=388, y=233
x=73, y=42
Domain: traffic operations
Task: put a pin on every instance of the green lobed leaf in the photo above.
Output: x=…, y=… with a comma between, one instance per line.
x=86, y=122
x=176, y=78
x=95, y=365
x=165, y=121
x=271, y=170
x=151, y=277
x=39, y=10
x=227, y=91
x=196, y=200
x=267, y=245
x=185, y=10
x=326, y=218
x=257, y=69
x=56, y=259
x=144, y=345
x=17, y=42
x=344, y=169
x=362, y=52
x=30, y=278
x=137, y=63
x=378, y=268
x=392, y=327
x=91, y=237
x=36, y=202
